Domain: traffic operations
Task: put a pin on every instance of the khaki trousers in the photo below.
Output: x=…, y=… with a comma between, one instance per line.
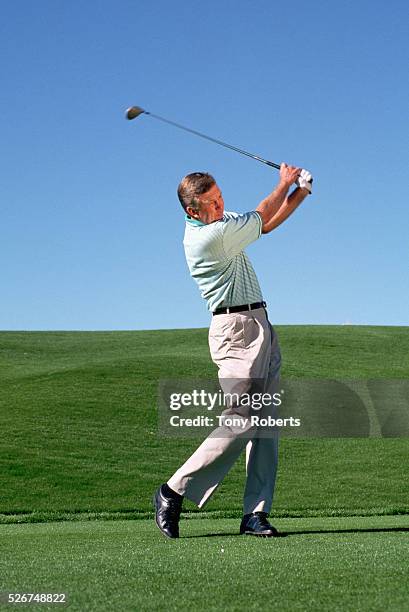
x=245, y=348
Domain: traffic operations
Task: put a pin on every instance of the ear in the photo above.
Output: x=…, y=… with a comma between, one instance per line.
x=192, y=212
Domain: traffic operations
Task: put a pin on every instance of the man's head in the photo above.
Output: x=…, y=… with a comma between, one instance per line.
x=201, y=198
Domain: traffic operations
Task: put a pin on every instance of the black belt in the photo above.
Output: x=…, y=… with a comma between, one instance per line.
x=231, y=309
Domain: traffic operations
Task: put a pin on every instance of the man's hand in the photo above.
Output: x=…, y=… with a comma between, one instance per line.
x=277, y=206
x=289, y=175
x=304, y=181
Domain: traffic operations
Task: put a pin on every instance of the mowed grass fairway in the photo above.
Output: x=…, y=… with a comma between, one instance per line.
x=320, y=564
x=80, y=442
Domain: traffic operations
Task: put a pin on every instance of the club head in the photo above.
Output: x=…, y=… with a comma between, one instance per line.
x=133, y=112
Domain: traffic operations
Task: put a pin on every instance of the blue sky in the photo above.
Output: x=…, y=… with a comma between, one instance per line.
x=91, y=232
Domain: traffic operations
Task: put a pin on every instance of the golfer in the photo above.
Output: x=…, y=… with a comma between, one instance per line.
x=243, y=344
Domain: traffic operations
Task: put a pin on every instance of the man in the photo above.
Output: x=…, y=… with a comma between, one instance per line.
x=242, y=342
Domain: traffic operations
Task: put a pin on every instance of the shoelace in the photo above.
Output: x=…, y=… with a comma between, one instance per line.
x=174, y=509
x=263, y=520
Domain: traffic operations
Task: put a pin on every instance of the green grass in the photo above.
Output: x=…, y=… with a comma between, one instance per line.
x=338, y=564
x=80, y=452
x=79, y=433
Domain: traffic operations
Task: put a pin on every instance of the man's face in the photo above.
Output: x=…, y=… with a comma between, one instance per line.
x=211, y=206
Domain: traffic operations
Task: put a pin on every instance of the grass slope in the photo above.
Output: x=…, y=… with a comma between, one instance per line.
x=343, y=565
x=78, y=417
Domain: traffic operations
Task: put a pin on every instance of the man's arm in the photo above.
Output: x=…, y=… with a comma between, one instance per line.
x=286, y=209
x=277, y=207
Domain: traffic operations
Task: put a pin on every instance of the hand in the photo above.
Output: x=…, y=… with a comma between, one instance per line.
x=304, y=181
x=289, y=174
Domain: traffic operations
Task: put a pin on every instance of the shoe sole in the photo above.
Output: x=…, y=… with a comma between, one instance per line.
x=260, y=535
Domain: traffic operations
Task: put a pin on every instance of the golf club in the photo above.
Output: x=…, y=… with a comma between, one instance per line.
x=135, y=111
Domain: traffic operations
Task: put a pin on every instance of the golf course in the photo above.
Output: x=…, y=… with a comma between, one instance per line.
x=81, y=456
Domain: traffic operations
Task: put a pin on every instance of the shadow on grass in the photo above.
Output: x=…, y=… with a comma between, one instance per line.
x=366, y=530
x=284, y=534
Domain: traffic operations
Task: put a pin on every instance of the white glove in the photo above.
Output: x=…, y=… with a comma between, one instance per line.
x=305, y=180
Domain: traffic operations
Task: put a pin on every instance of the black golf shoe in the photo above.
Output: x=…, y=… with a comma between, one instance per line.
x=167, y=513
x=256, y=524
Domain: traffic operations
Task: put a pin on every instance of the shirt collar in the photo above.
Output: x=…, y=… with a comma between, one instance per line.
x=193, y=221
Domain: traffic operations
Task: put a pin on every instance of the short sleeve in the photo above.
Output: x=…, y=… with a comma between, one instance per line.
x=239, y=231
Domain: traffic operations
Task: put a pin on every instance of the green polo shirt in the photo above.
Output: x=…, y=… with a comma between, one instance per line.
x=217, y=261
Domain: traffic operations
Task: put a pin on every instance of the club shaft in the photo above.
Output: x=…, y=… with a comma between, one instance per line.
x=219, y=142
